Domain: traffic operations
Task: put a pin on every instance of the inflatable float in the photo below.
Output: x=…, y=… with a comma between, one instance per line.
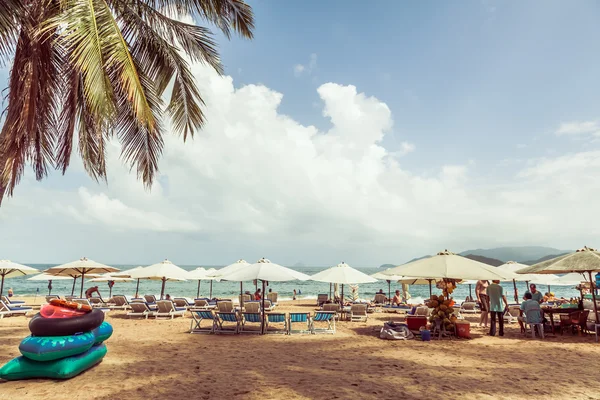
x=66, y=340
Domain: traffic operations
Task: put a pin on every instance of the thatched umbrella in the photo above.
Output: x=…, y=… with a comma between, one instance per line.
x=584, y=260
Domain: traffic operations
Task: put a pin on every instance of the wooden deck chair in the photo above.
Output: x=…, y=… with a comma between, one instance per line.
x=272, y=297
x=303, y=318
x=322, y=299
x=276, y=318
x=225, y=306
x=358, y=312
x=229, y=317
x=140, y=309
x=199, y=316
x=380, y=299
x=252, y=306
x=323, y=316
x=167, y=309
x=202, y=304
x=468, y=307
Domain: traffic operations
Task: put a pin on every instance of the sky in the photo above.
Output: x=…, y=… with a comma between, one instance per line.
x=368, y=135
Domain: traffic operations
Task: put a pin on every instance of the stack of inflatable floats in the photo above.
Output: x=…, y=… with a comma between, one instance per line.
x=66, y=339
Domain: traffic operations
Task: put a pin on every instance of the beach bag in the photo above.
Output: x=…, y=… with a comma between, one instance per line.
x=400, y=333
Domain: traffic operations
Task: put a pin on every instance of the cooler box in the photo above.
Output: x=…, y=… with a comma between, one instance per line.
x=463, y=329
x=415, y=323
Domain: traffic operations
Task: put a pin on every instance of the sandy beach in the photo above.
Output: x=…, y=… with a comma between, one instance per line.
x=160, y=359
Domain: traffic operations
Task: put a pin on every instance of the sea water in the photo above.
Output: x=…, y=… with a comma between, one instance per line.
x=305, y=289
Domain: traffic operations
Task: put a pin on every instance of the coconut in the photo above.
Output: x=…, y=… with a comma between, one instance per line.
x=443, y=307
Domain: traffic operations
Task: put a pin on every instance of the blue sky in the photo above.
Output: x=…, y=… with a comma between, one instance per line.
x=365, y=132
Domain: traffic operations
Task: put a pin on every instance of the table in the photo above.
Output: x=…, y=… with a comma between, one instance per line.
x=551, y=311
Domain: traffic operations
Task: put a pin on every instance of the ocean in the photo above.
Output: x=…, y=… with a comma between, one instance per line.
x=306, y=290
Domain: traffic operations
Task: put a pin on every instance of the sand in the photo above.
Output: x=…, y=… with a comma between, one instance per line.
x=159, y=359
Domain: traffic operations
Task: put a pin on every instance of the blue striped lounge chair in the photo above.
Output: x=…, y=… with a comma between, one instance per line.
x=200, y=315
x=229, y=317
x=324, y=316
x=251, y=318
x=303, y=318
x=10, y=311
x=140, y=309
x=276, y=318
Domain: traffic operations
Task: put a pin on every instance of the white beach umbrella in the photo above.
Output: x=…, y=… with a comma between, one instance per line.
x=572, y=279
x=49, y=278
x=342, y=274
x=513, y=266
x=163, y=271
x=109, y=278
x=585, y=260
x=9, y=269
x=201, y=274
x=451, y=266
x=265, y=271
x=239, y=264
x=80, y=268
x=127, y=274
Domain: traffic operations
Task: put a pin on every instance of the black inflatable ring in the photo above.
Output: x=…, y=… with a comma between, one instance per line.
x=40, y=326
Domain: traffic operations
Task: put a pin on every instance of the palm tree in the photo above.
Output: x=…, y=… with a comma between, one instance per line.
x=100, y=68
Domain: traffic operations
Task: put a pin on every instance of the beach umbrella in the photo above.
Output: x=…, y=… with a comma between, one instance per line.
x=513, y=266
x=265, y=271
x=201, y=274
x=407, y=280
x=81, y=267
x=572, y=279
x=342, y=274
x=450, y=266
x=109, y=278
x=163, y=271
x=49, y=278
x=239, y=264
x=9, y=269
x=585, y=260
x=127, y=274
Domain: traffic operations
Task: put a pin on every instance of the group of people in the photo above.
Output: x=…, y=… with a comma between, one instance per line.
x=492, y=302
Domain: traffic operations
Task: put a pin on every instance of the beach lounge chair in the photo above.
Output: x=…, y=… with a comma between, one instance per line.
x=323, y=316
x=182, y=302
x=456, y=313
x=229, y=317
x=200, y=315
x=202, y=304
x=322, y=299
x=468, y=307
x=88, y=303
x=252, y=306
x=269, y=306
x=225, y=306
x=97, y=302
x=358, y=312
x=512, y=314
x=140, y=309
x=272, y=297
x=15, y=303
x=167, y=309
x=380, y=299
x=11, y=311
x=298, y=318
x=276, y=318
x=150, y=298
x=423, y=311
x=70, y=298
x=120, y=303
x=243, y=298
x=251, y=318
x=51, y=297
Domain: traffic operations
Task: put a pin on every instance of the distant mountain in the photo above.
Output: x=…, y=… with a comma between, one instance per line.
x=299, y=264
x=519, y=254
x=485, y=260
x=539, y=260
x=386, y=266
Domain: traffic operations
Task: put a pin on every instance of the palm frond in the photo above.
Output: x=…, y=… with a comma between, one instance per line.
x=11, y=14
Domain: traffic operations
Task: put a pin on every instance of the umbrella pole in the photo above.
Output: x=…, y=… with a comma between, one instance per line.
x=82, y=279
x=430, y=292
x=109, y=292
x=470, y=293
x=330, y=290
x=342, y=298
x=210, y=296
x=593, y=297
x=137, y=287
x=73, y=288
x=198, y=293
x=548, y=288
x=2, y=285
x=162, y=289
x=49, y=286
x=516, y=292
x=262, y=307
x=389, y=291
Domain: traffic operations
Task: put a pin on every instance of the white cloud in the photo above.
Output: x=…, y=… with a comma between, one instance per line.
x=405, y=148
x=255, y=183
x=579, y=128
x=300, y=69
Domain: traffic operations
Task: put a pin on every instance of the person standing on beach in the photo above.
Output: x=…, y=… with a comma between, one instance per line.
x=495, y=292
x=482, y=298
